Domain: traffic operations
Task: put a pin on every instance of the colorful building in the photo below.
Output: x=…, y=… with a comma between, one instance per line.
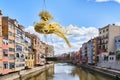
x=49, y=51
x=36, y=49
x=90, y=51
x=107, y=35
x=1, y=53
x=28, y=51
x=43, y=52
x=8, y=30
x=19, y=47
x=84, y=53
x=117, y=43
x=4, y=48
x=95, y=50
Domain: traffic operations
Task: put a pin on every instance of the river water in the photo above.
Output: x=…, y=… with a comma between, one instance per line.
x=64, y=71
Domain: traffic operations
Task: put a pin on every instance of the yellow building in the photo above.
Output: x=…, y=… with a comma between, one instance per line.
x=19, y=47
x=29, y=54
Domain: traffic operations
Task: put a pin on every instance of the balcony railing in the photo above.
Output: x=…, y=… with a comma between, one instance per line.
x=5, y=42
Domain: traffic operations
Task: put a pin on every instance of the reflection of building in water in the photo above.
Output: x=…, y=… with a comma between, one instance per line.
x=88, y=75
x=46, y=75
x=82, y=74
x=50, y=73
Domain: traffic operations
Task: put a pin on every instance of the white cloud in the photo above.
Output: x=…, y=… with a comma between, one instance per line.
x=102, y=0
x=78, y=37
x=118, y=1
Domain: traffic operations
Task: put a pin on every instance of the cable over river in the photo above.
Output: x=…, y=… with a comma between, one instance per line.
x=64, y=71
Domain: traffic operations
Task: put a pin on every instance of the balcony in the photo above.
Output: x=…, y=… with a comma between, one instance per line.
x=103, y=50
x=5, y=44
x=34, y=47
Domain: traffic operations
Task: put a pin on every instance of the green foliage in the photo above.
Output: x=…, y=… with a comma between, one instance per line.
x=68, y=56
x=118, y=55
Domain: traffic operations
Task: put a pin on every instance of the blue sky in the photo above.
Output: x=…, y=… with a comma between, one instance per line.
x=77, y=12
x=82, y=17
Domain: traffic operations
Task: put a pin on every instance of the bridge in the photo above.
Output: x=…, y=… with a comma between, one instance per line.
x=59, y=60
x=51, y=58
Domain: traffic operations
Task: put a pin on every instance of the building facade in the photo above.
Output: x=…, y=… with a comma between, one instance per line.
x=107, y=34
x=90, y=51
x=1, y=55
x=49, y=51
x=36, y=49
x=29, y=54
x=84, y=53
x=19, y=47
x=8, y=30
x=117, y=43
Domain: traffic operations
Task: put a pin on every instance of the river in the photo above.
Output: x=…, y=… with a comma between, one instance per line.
x=64, y=71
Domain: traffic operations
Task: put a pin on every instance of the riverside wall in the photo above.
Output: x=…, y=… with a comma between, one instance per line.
x=105, y=71
x=24, y=74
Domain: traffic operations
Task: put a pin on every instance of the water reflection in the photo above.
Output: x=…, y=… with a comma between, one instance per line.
x=63, y=71
x=46, y=75
x=88, y=75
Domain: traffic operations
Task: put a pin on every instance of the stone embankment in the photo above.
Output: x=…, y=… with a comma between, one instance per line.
x=105, y=71
x=24, y=74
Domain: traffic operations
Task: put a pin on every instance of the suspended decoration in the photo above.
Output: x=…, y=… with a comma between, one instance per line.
x=45, y=26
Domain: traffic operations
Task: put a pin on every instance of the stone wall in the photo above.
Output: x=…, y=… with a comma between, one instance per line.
x=24, y=74
x=112, y=65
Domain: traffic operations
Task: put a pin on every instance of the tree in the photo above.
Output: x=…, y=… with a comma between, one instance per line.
x=118, y=55
x=68, y=56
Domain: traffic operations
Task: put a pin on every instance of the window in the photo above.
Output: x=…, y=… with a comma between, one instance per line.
x=118, y=40
x=11, y=56
x=11, y=26
x=18, y=48
x=19, y=32
x=32, y=56
x=5, y=52
x=22, y=56
x=5, y=65
x=106, y=29
x=10, y=33
x=25, y=57
x=11, y=41
x=17, y=55
x=11, y=49
x=112, y=58
x=12, y=65
x=5, y=42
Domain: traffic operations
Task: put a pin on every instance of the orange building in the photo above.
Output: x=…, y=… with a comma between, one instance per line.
x=42, y=53
x=36, y=49
x=14, y=33
x=1, y=63
x=8, y=29
x=4, y=49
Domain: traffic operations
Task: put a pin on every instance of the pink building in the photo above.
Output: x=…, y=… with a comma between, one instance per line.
x=5, y=59
x=4, y=69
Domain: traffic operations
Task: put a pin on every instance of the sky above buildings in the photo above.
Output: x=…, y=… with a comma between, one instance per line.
x=81, y=17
